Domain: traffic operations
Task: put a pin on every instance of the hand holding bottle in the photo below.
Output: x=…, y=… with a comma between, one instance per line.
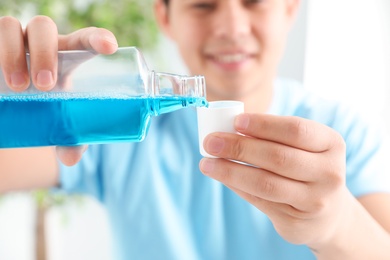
x=82, y=87
x=41, y=39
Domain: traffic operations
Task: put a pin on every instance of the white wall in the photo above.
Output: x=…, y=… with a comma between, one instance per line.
x=16, y=227
x=77, y=231
x=293, y=61
x=347, y=55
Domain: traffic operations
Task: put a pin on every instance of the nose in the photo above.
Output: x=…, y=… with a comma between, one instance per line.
x=232, y=20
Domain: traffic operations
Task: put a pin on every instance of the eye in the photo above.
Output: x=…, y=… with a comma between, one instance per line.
x=252, y=2
x=204, y=6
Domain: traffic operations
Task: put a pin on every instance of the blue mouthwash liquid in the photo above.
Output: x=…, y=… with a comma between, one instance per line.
x=72, y=119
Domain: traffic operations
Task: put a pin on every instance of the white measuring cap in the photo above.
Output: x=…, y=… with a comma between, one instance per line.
x=217, y=117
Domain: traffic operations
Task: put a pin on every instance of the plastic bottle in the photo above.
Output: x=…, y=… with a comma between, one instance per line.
x=97, y=99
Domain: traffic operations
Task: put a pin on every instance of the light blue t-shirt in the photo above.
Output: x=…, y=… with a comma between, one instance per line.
x=162, y=207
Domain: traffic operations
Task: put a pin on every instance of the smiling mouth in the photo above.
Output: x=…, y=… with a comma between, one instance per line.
x=231, y=58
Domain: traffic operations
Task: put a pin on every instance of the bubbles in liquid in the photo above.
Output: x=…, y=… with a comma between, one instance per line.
x=77, y=118
x=56, y=96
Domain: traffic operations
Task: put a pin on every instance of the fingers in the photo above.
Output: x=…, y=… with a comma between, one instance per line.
x=70, y=155
x=98, y=39
x=12, y=54
x=43, y=42
x=42, y=37
x=276, y=211
x=284, y=160
x=304, y=151
x=257, y=182
x=293, y=131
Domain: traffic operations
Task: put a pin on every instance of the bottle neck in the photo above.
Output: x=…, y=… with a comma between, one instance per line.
x=165, y=84
x=171, y=92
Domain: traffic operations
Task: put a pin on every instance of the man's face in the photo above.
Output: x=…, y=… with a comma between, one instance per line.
x=235, y=44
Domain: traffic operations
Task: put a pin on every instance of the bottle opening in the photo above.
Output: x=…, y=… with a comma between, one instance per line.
x=177, y=85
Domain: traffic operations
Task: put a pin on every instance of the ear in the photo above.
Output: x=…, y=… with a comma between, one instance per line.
x=292, y=7
x=161, y=13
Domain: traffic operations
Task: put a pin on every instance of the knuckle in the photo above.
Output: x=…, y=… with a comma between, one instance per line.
x=296, y=216
x=237, y=149
x=266, y=186
x=278, y=156
x=10, y=58
x=44, y=53
x=313, y=210
x=42, y=59
x=336, y=168
x=317, y=207
x=333, y=174
x=335, y=178
x=227, y=175
x=86, y=31
x=339, y=142
x=298, y=127
x=224, y=173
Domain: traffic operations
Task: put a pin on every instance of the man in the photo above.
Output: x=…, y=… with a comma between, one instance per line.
x=319, y=186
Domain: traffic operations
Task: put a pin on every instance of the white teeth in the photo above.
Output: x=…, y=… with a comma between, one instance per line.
x=229, y=58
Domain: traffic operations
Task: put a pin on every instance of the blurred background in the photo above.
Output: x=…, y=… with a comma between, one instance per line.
x=340, y=49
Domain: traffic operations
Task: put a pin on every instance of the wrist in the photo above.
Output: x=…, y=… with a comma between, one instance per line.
x=355, y=236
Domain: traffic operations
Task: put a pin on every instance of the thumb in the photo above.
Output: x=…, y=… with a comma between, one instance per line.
x=70, y=155
x=91, y=38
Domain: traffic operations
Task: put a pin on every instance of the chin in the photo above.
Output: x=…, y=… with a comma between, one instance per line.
x=226, y=93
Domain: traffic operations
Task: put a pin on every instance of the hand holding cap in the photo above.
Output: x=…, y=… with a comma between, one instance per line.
x=217, y=117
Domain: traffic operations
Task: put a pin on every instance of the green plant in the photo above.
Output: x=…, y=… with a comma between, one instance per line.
x=130, y=20
x=45, y=200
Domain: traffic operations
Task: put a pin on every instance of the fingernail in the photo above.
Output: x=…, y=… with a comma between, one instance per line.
x=207, y=165
x=214, y=145
x=241, y=122
x=45, y=79
x=18, y=80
